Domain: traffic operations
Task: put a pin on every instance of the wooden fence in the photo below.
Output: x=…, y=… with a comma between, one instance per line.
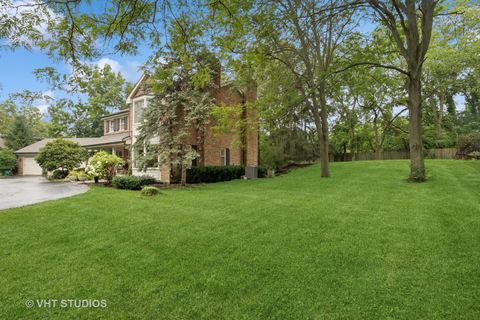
x=446, y=153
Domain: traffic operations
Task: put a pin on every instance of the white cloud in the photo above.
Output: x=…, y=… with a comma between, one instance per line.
x=130, y=70
x=45, y=102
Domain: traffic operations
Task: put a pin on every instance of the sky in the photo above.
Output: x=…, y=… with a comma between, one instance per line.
x=17, y=66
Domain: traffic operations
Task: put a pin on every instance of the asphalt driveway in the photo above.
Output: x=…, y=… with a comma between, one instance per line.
x=20, y=191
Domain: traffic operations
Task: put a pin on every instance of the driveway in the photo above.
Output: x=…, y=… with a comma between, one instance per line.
x=21, y=191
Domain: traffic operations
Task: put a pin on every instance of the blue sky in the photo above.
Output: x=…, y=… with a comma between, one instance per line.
x=17, y=68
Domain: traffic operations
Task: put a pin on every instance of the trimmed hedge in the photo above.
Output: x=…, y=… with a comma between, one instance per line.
x=214, y=173
x=132, y=182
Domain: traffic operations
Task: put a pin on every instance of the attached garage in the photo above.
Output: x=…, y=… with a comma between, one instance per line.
x=27, y=166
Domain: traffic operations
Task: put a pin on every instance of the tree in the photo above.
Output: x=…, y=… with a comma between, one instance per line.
x=411, y=29
x=182, y=102
x=105, y=93
x=103, y=165
x=19, y=134
x=61, y=154
x=302, y=35
x=8, y=160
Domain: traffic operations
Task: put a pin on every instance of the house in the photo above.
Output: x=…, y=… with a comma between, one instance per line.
x=121, y=128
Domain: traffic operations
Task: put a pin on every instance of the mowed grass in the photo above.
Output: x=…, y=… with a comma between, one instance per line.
x=364, y=244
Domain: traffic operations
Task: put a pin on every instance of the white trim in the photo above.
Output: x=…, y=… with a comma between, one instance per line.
x=129, y=98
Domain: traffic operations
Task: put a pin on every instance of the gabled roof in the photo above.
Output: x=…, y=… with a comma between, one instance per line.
x=135, y=88
x=116, y=113
x=84, y=142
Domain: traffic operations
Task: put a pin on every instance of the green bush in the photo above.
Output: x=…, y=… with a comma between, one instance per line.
x=262, y=172
x=103, y=165
x=8, y=160
x=61, y=154
x=214, y=173
x=468, y=143
x=150, y=191
x=132, y=182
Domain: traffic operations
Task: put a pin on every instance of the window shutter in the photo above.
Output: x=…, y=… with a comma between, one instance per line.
x=227, y=156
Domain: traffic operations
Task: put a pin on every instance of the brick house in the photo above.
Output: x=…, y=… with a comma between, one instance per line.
x=121, y=128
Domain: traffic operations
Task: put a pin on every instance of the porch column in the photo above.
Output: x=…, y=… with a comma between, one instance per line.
x=113, y=150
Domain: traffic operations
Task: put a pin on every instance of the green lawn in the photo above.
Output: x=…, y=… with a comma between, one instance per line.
x=364, y=244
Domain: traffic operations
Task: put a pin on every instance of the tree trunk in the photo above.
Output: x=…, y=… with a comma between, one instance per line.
x=324, y=134
x=324, y=144
x=417, y=163
x=183, y=179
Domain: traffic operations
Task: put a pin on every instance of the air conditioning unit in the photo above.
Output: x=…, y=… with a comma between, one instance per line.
x=251, y=172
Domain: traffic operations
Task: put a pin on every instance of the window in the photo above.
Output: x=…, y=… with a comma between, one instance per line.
x=195, y=161
x=123, y=123
x=107, y=126
x=225, y=157
x=138, y=110
x=112, y=125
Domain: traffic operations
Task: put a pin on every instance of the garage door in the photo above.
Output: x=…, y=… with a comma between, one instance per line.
x=31, y=167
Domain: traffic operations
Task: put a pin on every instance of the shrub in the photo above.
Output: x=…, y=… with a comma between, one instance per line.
x=7, y=159
x=468, y=143
x=262, y=172
x=73, y=175
x=132, y=182
x=59, y=174
x=150, y=191
x=61, y=154
x=214, y=173
x=103, y=165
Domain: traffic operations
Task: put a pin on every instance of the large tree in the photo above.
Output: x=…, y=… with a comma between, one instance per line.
x=105, y=93
x=410, y=24
x=182, y=84
x=303, y=35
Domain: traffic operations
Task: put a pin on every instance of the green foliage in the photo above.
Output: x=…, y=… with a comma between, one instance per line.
x=19, y=134
x=103, y=165
x=8, y=160
x=214, y=173
x=132, y=182
x=150, y=191
x=61, y=154
x=182, y=101
x=105, y=91
x=272, y=155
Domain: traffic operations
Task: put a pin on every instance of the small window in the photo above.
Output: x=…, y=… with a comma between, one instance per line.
x=225, y=157
x=112, y=125
x=107, y=126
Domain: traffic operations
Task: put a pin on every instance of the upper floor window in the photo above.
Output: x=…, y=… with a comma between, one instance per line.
x=138, y=107
x=124, y=123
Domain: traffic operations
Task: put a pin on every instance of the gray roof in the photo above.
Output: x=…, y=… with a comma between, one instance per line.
x=116, y=113
x=84, y=142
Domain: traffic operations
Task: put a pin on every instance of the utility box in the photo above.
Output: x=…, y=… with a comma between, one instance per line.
x=251, y=172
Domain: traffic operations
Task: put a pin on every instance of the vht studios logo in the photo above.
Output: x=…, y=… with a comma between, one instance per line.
x=66, y=303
